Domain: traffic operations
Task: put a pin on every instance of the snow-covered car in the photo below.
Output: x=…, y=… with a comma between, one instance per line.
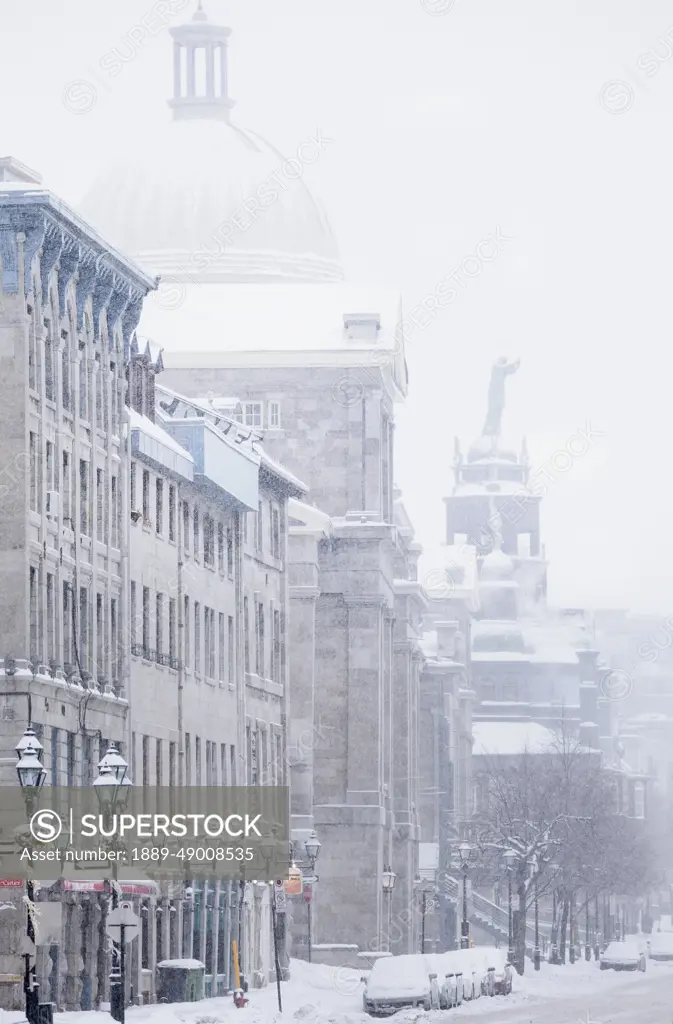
x=395, y=982
x=626, y=955
x=661, y=946
x=467, y=974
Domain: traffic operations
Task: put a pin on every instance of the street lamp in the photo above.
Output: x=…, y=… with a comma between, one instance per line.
x=423, y=887
x=388, y=884
x=312, y=847
x=113, y=788
x=533, y=865
x=510, y=857
x=31, y=775
x=464, y=853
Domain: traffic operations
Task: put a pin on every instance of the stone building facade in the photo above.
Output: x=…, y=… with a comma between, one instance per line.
x=327, y=412
x=68, y=308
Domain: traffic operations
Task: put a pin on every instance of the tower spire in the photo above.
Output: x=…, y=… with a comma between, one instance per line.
x=200, y=79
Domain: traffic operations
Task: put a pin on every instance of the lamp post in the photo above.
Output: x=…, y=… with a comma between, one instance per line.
x=423, y=887
x=510, y=857
x=388, y=884
x=535, y=874
x=464, y=853
x=597, y=950
x=113, y=788
x=31, y=775
x=312, y=847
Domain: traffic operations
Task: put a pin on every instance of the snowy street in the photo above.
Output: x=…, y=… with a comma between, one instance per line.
x=579, y=994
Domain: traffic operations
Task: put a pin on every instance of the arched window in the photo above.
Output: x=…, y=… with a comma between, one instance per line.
x=487, y=688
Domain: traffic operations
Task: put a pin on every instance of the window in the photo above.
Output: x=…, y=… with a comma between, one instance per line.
x=230, y=648
x=33, y=614
x=275, y=532
x=187, y=628
x=146, y=761
x=159, y=496
x=252, y=414
x=134, y=505
x=197, y=638
x=638, y=800
x=208, y=764
x=33, y=471
x=146, y=497
x=134, y=616
x=83, y=386
x=116, y=512
x=159, y=625
x=100, y=639
x=52, y=482
x=71, y=762
x=221, y=650
x=510, y=689
x=159, y=764
x=259, y=630
x=246, y=631
x=232, y=766
x=68, y=657
x=84, y=637
x=223, y=764
x=208, y=541
x=172, y=763
x=48, y=364
x=99, y=504
x=171, y=512
x=65, y=372
x=172, y=632
x=274, y=415
x=188, y=760
x=487, y=688
x=55, y=743
x=185, y=525
x=134, y=762
x=230, y=552
x=66, y=489
x=259, y=528
x=84, y=496
x=114, y=640
x=196, y=532
x=51, y=618
x=275, y=653
x=220, y=547
x=146, y=622
x=207, y=639
x=197, y=753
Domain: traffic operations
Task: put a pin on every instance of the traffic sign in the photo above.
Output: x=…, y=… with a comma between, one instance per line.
x=124, y=921
x=281, y=902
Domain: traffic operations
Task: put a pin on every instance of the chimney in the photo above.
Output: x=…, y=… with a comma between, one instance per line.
x=13, y=170
x=362, y=326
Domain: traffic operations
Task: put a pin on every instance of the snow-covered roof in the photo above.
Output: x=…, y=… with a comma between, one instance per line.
x=511, y=738
x=157, y=444
x=309, y=516
x=239, y=325
x=277, y=470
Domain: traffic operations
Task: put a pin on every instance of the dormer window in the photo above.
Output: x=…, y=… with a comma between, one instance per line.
x=252, y=414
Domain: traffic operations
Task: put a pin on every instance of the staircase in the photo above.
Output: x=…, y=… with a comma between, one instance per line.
x=488, y=915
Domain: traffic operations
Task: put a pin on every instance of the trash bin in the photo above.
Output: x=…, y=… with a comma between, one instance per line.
x=180, y=981
x=45, y=1013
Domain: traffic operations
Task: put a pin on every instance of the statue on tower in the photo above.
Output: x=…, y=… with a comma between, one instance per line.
x=496, y=394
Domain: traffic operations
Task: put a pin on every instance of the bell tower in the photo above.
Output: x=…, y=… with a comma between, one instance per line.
x=200, y=76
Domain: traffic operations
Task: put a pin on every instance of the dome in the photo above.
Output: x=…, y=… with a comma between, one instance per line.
x=204, y=200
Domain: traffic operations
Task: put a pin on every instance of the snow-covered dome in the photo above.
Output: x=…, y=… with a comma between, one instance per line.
x=205, y=200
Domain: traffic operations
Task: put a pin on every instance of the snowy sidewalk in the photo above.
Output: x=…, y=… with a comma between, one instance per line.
x=317, y=994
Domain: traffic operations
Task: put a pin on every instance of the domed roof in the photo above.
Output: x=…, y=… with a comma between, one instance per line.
x=204, y=200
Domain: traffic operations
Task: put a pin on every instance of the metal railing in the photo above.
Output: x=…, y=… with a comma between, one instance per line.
x=487, y=913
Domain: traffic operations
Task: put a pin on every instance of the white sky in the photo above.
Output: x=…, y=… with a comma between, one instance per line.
x=446, y=128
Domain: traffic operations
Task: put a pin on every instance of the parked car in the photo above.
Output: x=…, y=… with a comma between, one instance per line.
x=661, y=946
x=395, y=982
x=626, y=955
